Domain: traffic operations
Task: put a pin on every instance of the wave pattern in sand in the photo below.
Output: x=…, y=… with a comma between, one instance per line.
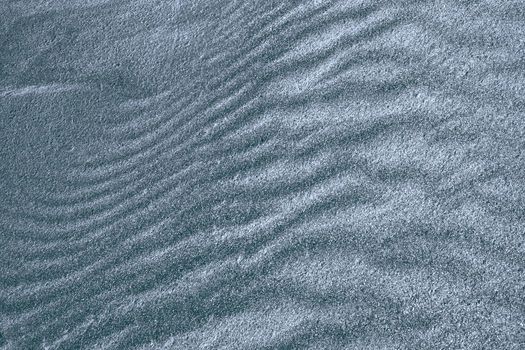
x=262, y=175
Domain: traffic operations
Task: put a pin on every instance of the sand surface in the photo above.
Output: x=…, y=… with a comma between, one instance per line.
x=262, y=174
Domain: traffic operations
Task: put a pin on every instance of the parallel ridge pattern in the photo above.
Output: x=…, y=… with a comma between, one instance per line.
x=262, y=175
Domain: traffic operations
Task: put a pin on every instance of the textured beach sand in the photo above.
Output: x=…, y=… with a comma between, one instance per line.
x=262, y=174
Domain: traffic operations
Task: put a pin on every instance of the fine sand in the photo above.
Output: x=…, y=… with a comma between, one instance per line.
x=258, y=175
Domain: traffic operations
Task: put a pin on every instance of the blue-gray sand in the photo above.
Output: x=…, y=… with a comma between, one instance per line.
x=212, y=174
